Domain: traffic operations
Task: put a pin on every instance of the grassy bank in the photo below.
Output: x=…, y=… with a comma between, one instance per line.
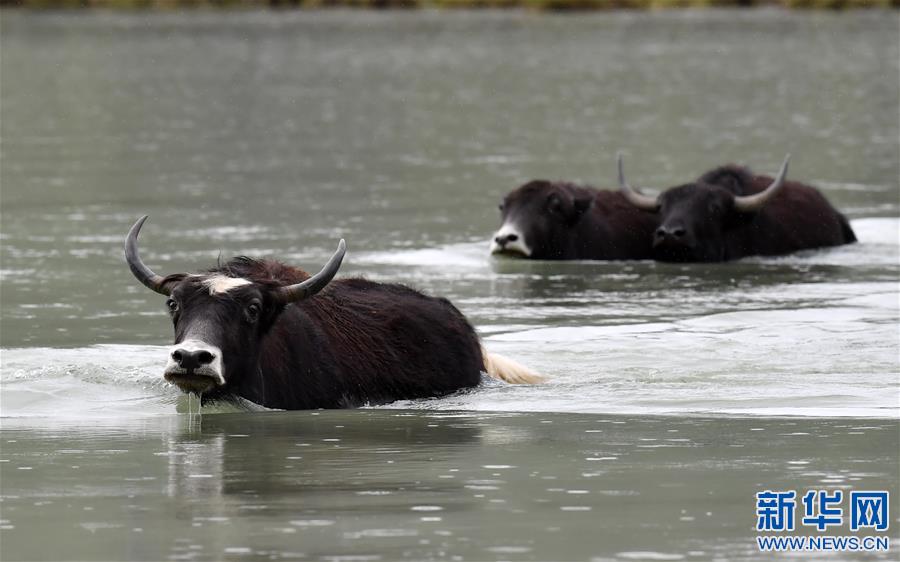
x=531, y=4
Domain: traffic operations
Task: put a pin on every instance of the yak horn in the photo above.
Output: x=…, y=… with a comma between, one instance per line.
x=308, y=288
x=143, y=273
x=755, y=202
x=639, y=200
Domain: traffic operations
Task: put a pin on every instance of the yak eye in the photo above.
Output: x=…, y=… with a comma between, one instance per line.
x=554, y=205
x=500, y=206
x=253, y=311
x=172, y=305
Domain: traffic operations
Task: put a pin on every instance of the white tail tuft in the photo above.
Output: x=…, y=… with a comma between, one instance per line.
x=505, y=369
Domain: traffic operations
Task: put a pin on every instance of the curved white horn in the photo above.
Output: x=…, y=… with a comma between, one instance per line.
x=308, y=288
x=639, y=200
x=755, y=202
x=144, y=274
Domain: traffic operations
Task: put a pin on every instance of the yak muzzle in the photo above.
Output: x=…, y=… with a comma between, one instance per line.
x=195, y=366
x=509, y=241
x=669, y=235
x=673, y=243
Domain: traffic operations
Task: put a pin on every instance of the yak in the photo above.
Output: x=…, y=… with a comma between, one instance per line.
x=729, y=213
x=563, y=221
x=276, y=336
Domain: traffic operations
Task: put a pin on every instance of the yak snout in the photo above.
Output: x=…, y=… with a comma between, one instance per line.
x=675, y=233
x=192, y=359
x=673, y=243
x=504, y=239
x=509, y=240
x=195, y=366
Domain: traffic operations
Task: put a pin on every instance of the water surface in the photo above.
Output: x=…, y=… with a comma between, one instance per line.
x=409, y=485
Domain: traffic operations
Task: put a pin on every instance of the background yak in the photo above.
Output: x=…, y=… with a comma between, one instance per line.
x=729, y=213
x=563, y=221
x=272, y=334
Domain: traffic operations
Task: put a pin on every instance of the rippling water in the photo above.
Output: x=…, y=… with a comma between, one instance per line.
x=278, y=133
x=811, y=334
x=407, y=485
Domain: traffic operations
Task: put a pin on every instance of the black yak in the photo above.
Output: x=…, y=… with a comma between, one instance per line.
x=729, y=213
x=274, y=335
x=563, y=221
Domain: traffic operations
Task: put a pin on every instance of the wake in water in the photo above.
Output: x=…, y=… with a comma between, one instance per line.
x=878, y=243
x=834, y=361
x=815, y=346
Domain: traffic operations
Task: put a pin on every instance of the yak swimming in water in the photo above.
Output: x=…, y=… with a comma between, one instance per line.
x=563, y=221
x=274, y=335
x=729, y=213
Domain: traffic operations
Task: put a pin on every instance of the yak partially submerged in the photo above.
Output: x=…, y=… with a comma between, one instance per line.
x=729, y=213
x=276, y=336
x=563, y=221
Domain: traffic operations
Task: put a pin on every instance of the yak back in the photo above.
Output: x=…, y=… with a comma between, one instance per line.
x=358, y=342
x=613, y=228
x=629, y=229
x=798, y=218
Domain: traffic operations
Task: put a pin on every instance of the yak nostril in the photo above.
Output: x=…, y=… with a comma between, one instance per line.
x=512, y=237
x=500, y=240
x=661, y=232
x=187, y=359
x=678, y=233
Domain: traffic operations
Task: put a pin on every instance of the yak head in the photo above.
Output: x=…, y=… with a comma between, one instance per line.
x=538, y=219
x=220, y=316
x=695, y=218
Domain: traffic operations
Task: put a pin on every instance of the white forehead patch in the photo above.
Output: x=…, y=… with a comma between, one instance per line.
x=218, y=284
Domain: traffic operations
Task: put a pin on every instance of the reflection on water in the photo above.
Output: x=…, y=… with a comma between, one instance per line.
x=408, y=485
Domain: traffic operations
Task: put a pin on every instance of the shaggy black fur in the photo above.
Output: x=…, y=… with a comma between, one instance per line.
x=797, y=218
x=356, y=342
x=565, y=221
